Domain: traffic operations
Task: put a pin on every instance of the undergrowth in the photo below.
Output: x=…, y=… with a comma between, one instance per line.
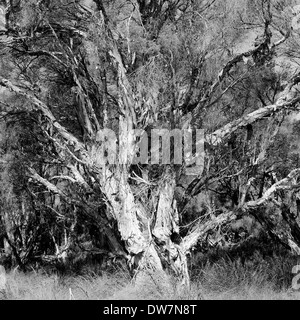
x=258, y=271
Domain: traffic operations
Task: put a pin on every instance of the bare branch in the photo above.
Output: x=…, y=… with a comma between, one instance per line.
x=71, y=139
x=201, y=229
x=286, y=101
x=284, y=184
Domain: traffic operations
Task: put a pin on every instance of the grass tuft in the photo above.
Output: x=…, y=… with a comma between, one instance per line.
x=261, y=274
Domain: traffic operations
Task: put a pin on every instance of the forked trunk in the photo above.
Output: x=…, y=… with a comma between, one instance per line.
x=146, y=235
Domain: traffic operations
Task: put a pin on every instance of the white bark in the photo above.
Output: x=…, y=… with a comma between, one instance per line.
x=134, y=223
x=284, y=184
x=287, y=101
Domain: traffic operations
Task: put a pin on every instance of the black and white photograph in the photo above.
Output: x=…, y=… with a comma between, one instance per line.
x=149, y=150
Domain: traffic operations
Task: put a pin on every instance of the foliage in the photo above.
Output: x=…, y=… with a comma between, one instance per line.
x=75, y=69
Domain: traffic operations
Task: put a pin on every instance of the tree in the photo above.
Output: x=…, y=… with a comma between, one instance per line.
x=127, y=65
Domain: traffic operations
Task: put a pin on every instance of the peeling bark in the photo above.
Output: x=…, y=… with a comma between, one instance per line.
x=147, y=235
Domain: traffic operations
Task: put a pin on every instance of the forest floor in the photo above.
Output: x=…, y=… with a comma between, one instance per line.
x=118, y=287
x=256, y=274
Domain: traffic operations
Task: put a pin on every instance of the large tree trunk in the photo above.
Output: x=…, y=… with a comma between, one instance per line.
x=147, y=235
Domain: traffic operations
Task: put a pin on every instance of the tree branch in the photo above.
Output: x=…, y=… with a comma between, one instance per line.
x=287, y=100
x=71, y=139
x=284, y=184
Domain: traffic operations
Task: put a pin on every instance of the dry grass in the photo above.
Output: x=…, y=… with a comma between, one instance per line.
x=259, y=276
x=225, y=277
x=39, y=286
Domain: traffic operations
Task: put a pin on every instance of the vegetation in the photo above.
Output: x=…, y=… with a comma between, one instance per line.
x=221, y=275
x=75, y=76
